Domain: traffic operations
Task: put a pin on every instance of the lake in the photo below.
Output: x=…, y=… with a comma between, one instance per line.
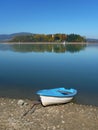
x=26, y=68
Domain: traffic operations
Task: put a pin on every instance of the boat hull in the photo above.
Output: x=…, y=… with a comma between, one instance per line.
x=46, y=100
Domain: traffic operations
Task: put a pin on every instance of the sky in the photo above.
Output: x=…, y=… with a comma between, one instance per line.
x=49, y=17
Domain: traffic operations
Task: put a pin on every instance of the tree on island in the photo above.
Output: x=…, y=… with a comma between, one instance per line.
x=49, y=38
x=75, y=38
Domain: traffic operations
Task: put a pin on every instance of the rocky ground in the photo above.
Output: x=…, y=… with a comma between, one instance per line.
x=17, y=114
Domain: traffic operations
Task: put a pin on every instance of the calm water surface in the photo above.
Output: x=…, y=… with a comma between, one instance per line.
x=26, y=68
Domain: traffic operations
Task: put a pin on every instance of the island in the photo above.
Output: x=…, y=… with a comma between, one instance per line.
x=48, y=38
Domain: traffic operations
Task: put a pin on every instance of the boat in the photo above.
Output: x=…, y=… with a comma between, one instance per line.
x=56, y=95
x=64, y=43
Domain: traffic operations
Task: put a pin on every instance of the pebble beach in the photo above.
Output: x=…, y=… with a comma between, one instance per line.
x=16, y=114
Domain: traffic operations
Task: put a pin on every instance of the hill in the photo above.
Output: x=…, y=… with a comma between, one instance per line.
x=91, y=40
x=7, y=37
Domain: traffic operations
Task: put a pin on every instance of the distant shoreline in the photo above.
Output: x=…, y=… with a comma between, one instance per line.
x=64, y=43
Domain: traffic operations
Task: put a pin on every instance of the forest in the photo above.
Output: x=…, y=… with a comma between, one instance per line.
x=49, y=38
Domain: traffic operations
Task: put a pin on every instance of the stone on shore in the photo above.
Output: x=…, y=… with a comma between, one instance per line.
x=69, y=116
x=20, y=102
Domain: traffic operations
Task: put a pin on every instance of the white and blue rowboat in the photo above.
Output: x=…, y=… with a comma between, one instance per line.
x=56, y=95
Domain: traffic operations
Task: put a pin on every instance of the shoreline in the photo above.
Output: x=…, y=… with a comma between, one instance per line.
x=64, y=43
x=70, y=116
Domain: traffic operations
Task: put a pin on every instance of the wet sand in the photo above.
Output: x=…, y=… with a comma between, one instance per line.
x=71, y=116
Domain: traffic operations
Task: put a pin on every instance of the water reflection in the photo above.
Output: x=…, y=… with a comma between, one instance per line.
x=75, y=48
x=56, y=48
x=23, y=73
x=5, y=47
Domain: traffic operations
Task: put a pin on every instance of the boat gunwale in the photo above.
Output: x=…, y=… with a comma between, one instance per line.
x=71, y=95
x=65, y=93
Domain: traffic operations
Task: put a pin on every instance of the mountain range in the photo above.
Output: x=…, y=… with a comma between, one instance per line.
x=7, y=37
x=92, y=40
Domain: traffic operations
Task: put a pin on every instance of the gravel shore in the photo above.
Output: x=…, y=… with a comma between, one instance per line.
x=17, y=114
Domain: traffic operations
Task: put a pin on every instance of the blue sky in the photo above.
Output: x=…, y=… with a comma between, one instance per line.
x=49, y=16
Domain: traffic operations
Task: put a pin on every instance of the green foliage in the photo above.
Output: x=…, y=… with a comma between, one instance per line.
x=75, y=38
x=49, y=38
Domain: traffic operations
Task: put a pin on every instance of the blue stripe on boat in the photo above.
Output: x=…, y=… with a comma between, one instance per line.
x=58, y=92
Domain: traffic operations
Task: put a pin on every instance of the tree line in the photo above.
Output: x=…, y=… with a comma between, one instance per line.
x=49, y=38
